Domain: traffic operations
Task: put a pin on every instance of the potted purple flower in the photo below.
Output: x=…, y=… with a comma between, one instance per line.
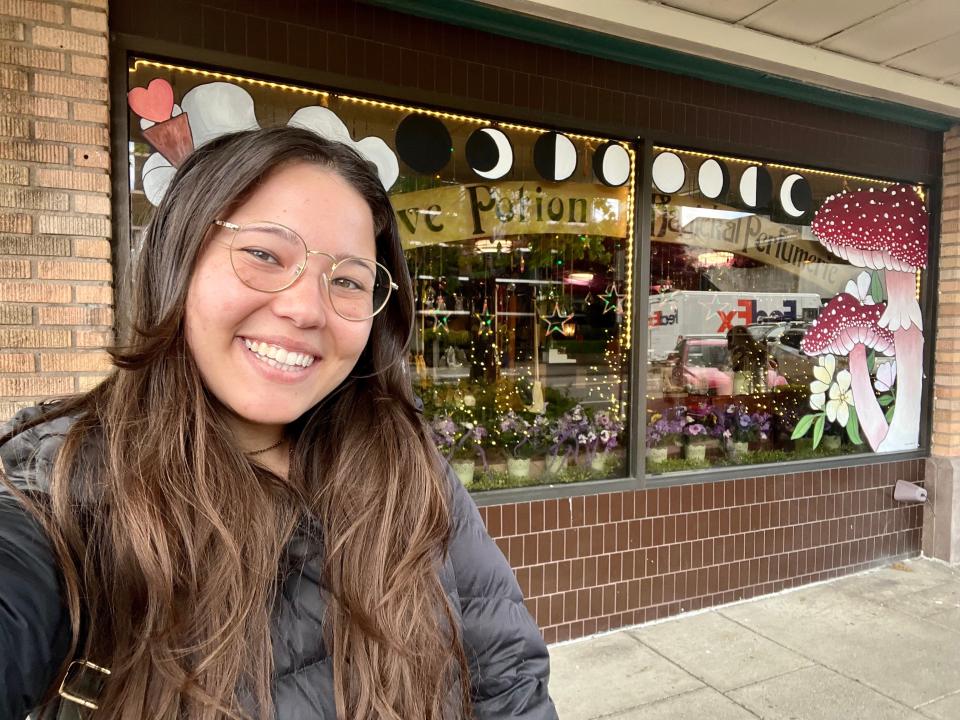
x=461, y=444
x=570, y=432
x=606, y=429
x=515, y=434
x=695, y=435
x=741, y=427
x=663, y=430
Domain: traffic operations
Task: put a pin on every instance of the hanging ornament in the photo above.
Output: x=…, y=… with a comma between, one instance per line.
x=588, y=300
x=556, y=320
x=619, y=310
x=486, y=320
x=611, y=299
x=441, y=316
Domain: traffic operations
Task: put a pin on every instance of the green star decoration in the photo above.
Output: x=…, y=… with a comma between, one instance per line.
x=555, y=321
x=486, y=320
x=610, y=298
x=440, y=320
x=441, y=316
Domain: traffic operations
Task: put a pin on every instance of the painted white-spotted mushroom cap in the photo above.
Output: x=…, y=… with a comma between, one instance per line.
x=845, y=323
x=883, y=229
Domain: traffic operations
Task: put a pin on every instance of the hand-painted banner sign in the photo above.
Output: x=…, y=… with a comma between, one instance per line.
x=464, y=212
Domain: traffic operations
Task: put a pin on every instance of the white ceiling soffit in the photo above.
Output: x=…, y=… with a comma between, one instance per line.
x=902, y=51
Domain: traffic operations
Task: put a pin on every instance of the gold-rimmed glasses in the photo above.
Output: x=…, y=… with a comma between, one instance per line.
x=270, y=257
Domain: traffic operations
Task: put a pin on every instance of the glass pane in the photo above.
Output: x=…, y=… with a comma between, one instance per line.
x=784, y=320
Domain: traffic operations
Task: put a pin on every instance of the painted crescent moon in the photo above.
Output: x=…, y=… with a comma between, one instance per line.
x=611, y=164
x=756, y=187
x=554, y=156
x=713, y=178
x=489, y=153
x=795, y=196
x=669, y=172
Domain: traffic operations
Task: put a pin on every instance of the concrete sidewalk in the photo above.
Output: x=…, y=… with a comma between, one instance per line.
x=881, y=645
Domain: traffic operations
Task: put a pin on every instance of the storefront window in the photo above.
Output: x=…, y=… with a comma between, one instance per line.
x=784, y=320
x=519, y=245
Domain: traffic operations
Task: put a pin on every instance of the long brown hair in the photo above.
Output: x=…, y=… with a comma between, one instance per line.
x=170, y=540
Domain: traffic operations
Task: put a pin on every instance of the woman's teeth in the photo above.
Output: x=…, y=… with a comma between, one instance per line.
x=277, y=357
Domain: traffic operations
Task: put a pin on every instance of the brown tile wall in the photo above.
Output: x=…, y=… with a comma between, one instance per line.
x=597, y=562
x=352, y=44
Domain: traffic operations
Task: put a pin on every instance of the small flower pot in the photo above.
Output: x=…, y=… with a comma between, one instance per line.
x=464, y=470
x=518, y=467
x=695, y=452
x=553, y=464
x=738, y=448
x=598, y=462
x=831, y=442
x=657, y=454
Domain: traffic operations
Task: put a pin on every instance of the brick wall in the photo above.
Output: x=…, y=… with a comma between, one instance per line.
x=941, y=527
x=593, y=563
x=946, y=403
x=55, y=273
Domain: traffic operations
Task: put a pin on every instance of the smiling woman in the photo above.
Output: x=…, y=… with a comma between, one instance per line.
x=249, y=518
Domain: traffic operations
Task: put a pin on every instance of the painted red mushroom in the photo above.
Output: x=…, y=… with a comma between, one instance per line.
x=883, y=230
x=887, y=231
x=845, y=327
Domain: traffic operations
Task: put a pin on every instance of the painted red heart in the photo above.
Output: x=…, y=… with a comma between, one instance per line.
x=154, y=102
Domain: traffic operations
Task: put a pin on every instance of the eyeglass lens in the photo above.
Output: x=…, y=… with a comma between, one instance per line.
x=270, y=258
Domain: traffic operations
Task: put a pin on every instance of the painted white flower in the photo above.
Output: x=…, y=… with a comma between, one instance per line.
x=860, y=288
x=886, y=376
x=841, y=399
x=823, y=372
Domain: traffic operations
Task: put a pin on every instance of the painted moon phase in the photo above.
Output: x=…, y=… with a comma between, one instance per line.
x=489, y=153
x=795, y=196
x=423, y=143
x=669, y=173
x=554, y=156
x=611, y=164
x=756, y=187
x=713, y=178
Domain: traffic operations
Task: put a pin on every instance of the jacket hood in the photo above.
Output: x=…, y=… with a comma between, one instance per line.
x=28, y=456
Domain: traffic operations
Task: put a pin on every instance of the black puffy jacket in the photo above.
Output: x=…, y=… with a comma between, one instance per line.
x=509, y=664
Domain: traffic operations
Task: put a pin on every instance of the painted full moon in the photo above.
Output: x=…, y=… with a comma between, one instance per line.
x=796, y=199
x=489, y=153
x=554, y=156
x=611, y=164
x=669, y=172
x=713, y=178
x=756, y=187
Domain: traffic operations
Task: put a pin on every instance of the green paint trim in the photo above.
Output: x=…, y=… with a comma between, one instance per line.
x=471, y=14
